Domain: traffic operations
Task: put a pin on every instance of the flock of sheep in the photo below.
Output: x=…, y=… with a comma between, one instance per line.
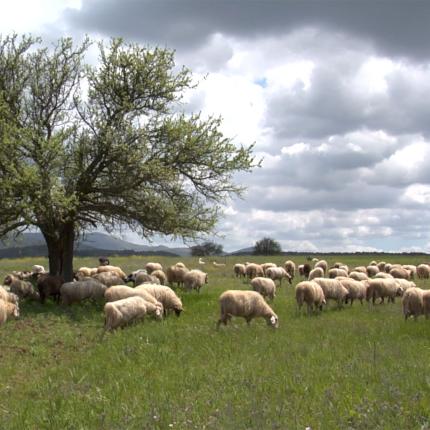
x=152, y=294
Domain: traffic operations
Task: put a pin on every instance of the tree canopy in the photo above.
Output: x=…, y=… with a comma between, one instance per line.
x=267, y=246
x=206, y=249
x=106, y=145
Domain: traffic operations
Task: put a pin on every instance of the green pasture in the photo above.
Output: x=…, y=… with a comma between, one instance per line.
x=361, y=367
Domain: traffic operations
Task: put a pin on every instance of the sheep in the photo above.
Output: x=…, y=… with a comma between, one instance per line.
x=344, y=267
x=218, y=264
x=361, y=269
x=358, y=276
x=306, y=270
x=381, y=266
x=22, y=289
x=426, y=302
x=142, y=277
x=373, y=263
x=332, y=289
x=85, y=272
x=161, y=276
x=49, y=285
x=412, y=269
x=109, y=279
x=195, y=279
x=265, y=266
x=314, y=260
x=124, y=311
x=311, y=293
x=405, y=284
x=7, y=296
x=165, y=295
x=265, y=286
x=383, y=275
x=239, y=270
x=201, y=262
x=115, y=269
x=76, y=292
x=323, y=265
x=246, y=304
x=333, y=273
x=301, y=269
x=37, y=268
x=150, y=267
x=400, y=272
x=290, y=267
x=176, y=274
x=118, y=292
x=180, y=264
x=132, y=276
x=253, y=270
x=356, y=289
x=383, y=288
x=7, y=310
x=317, y=272
x=372, y=270
x=104, y=261
x=413, y=303
x=22, y=274
x=337, y=265
x=388, y=267
x=423, y=271
x=278, y=273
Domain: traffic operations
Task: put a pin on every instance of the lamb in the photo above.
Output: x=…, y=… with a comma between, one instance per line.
x=317, y=272
x=333, y=273
x=8, y=296
x=358, y=276
x=252, y=270
x=332, y=289
x=109, y=278
x=323, y=265
x=150, y=267
x=22, y=289
x=423, y=271
x=265, y=286
x=49, y=286
x=119, y=292
x=311, y=293
x=400, y=272
x=176, y=274
x=7, y=310
x=413, y=303
x=115, y=269
x=195, y=279
x=356, y=289
x=239, y=270
x=76, y=292
x=372, y=270
x=161, y=276
x=246, y=304
x=290, y=267
x=124, y=311
x=383, y=288
x=278, y=273
x=165, y=295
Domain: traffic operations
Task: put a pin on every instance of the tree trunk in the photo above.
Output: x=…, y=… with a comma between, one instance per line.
x=68, y=237
x=54, y=253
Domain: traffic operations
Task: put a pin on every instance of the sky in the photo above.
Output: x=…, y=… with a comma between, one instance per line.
x=335, y=94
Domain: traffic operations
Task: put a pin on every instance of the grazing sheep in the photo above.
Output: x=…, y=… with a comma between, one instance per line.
x=76, y=292
x=381, y=266
x=176, y=274
x=323, y=265
x=195, y=279
x=165, y=295
x=124, y=311
x=85, y=272
x=332, y=289
x=150, y=267
x=412, y=269
x=388, y=267
x=383, y=275
x=423, y=271
x=142, y=277
x=49, y=286
x=265, y=286
x=311, y=293
x=115, y=269
x=290, y=267
x=246, y=304
x=413, y=303
x=239, y=270
x=7, y=310
x=333, y=273
x=109, y=279
x=265, y=266
x=218, y=264
x=400, y=272
x=7, y=296
x=317, y=272
x=252, y=270
x=132, y=276
x=201, y=262
x=361, y=269
x=180, y=264
x=23, y=289
x=358, y=276
x=356, y=289
x=161, y=276
x=373, y=263
x=383, y=288
x=278, y=273
x=372, y=270
x=405, y=284
x=118, y=292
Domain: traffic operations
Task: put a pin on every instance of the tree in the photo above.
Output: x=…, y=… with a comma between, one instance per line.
x=83, y=146
x=267, y=246
x=206, y=249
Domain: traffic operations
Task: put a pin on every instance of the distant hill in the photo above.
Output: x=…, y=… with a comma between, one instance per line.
x=92, y=244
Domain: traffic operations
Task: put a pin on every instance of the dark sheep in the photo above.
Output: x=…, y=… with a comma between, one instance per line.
x=49, y=286
x=104, y=261
x=306, y=270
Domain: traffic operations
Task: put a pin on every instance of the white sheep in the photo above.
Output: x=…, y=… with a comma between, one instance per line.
x=253, y=270
x=405, y=284
x=119, y=292
x=218, y=264
x=356, y=289
x=372, y=270
x=381, y=266
x=381, y=288
x=176, y=273
x=423, y=271
x=124, y=311
x=7, y=296
x=150, y=267
x=201, y=262
x=109, y=278
x=317, y=272
x=7, y=310
x=361, y=269
x=413, y=303
x=85, y=272
x=114, y=269
x=333, y=290
x=400, y=272
x=412, y=269
x=23, y=289
x=239, y=270
x=142, y=277
x=165, y=295
x=76, y=292
x=266, y=266
x=265, y=286
x=278, y=273
x=334, y=272
x=383, y=275
x=290, y=267
x=246, y=304
x=37, y=268
x=358, y=276
x=323, y=265
x=161, y=276
x=195, y=279
x=311, y=293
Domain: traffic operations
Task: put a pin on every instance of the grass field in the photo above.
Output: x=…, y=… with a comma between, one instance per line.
x=357, y=368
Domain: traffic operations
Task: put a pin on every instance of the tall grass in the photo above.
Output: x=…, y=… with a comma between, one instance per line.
x=361, y=367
